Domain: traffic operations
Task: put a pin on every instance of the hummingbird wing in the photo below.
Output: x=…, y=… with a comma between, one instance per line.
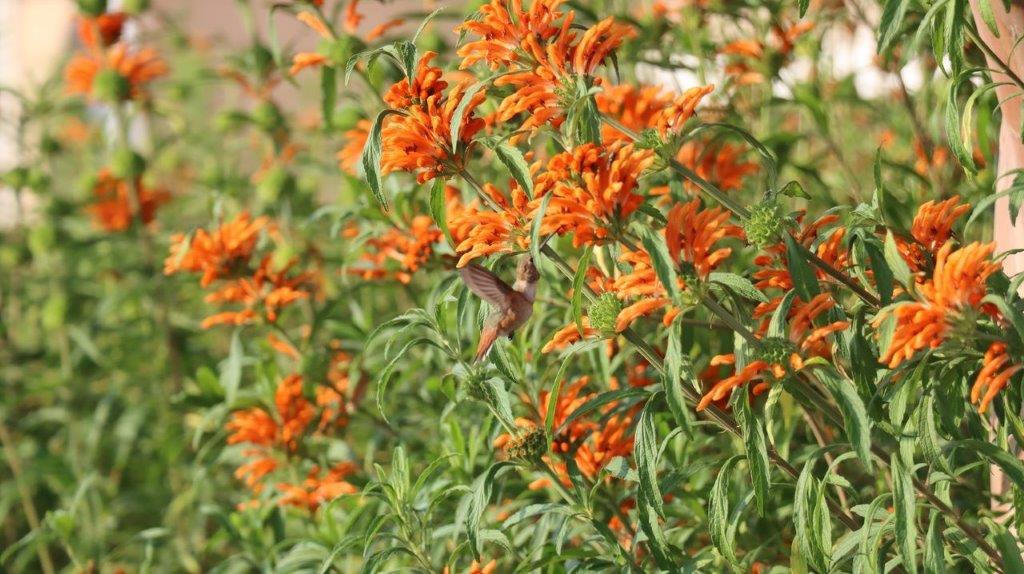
x=486, y=285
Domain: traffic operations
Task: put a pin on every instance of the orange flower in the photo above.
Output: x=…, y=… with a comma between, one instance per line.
x=352, y=16
x=933, y=223
x=479, y=232
x=113, y=209
x=101, y=31
x=639, y=309
x=254, y=426
x=411, y=248
x=692, y=233
x=355, y=140
x=418, y=139
x=382, y=29
x=568, y=335
x=503, y=31
x=759, y=372
x=216, y=254
x=995, y=373
x=136, y=69
x=636, y=107
x=594, y=188
x=316, y=490
x=304, y=60
x=681, y=110
x=721, y=164
x=294, y=410
x=953, y=293
x=316, y=24
x=544, y=58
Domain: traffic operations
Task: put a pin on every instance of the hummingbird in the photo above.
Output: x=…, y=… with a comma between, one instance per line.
x=510, y=306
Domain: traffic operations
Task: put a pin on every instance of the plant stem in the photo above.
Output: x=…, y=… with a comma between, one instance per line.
x=31, y=515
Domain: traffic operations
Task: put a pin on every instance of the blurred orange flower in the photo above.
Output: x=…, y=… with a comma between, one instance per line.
x=113, y=208
x=995, y=374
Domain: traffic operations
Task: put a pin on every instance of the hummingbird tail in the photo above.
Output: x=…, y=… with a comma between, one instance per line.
x=487, y=338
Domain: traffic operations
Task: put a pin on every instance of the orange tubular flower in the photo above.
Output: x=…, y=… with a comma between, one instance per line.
x=953, y=293
x=316, y=490
x=304, y=60
x=355, y=141
x=102, y=31
x=418, y=138
x=411, y=248
x=135, y=69
x=503, y=32
x=542, y=56
x=932, y=228
x=759, y=372
x=113, y=210
x=637, y=108
x=480, y=232
x=681, y=110
x=692, y=233
x=720, y=163
x=382, y=29
x=995, y=374
x=593, y=187
x=215, y=254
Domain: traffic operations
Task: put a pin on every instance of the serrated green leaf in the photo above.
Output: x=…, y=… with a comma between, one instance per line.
x=906, y=513
x=805, y=282
x=371, y=158
x=516, y=164
x=662, y=262
x=718, y=512
x=756, y=445
x=740, y=285
x=898, y=267
x=856, y=421
x=578, y=281
x=645, y=453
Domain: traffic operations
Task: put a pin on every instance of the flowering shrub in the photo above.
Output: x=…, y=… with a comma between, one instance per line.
x=518, y=286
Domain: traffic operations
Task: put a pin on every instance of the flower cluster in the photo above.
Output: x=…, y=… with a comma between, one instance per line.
x=225, y=255
x=109, y=69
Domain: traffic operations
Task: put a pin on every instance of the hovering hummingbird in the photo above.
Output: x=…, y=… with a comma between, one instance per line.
x=510, y=306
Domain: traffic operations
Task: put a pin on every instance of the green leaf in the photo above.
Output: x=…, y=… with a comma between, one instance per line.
x=513, y=159
x=371, y=158
x=656, y=541
x=756, y=445
x=578, y=281
x=892, y=21
x=645, y=453
x=538, y=219
x=803, y=5
x=1009, y=548
x=231, y=371
x=676, y=367
x=740, y=285
x=423, y=24
x=455, y=127
x=718, y=512
x=855, y=415
x=1010, y=464
x=805, y=282
x=328, y=94
x=988, y=16
x=481, y=495
x=794, y=189
x=883, y=275
x=805, y=499
x=934, y=551
x=437, y=208
x=906, y=513
x=898, y=267
x=662, y=261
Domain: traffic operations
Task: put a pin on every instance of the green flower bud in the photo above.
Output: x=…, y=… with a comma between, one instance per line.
x=230, y=120
x=277, y=182
x=261, y=60
x=530, y=445
x=110, y=86
x=603, y=314
x=765, y=223
x=268, y=116
x=126, y=164
x=134, y=7
x=92, y=7
x=649, y=139
x=776, y=350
